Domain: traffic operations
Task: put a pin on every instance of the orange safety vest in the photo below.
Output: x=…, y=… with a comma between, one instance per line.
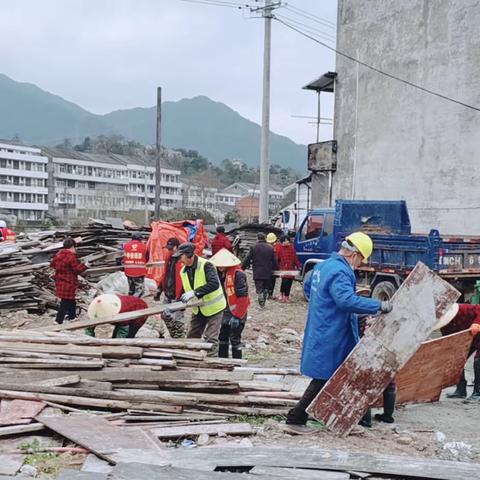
x=237, y=305
x=8, y=235
x=135, y=259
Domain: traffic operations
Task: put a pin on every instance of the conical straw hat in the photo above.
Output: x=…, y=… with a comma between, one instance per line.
x=447, y=317
x=224, y=258
x=104, y=306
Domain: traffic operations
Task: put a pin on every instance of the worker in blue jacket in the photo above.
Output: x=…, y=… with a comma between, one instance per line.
x=331, y=331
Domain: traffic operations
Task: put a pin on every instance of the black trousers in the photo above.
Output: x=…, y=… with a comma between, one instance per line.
x=262, y=286
x=297, y=415
x=67, y=308
x=271, y=288
x=136, y=286
x=286, y=286
x=230, y=336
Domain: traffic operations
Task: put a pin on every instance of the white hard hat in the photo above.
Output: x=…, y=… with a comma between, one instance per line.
x=224, y=258
x=3, y=224
x=104, y=306
x=447, y=317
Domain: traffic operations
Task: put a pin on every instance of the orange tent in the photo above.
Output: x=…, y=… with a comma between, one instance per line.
x=186, y=231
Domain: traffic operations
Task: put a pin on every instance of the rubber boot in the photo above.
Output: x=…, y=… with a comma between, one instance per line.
x=476, y=382
x=261, y=300
x=90, y=331
x=237, y=353
x=120, y=331
x=388, y=407
x=223, y=350
x=366, y=421
x=461, y=390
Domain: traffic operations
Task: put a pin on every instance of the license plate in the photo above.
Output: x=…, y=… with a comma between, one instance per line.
x=452, y=260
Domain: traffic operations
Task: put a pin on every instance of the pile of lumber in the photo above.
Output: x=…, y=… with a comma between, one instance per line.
x=246, y=236
x=144, y=374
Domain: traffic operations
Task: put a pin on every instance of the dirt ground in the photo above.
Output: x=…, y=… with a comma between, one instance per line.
x=446, y=430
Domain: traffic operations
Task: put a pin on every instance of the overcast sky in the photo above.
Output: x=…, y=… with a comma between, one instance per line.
x=106, y=55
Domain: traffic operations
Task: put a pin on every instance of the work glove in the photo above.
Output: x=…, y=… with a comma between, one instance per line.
x=234, y=323
x=187, y=296
x=386, y=306
x=475, y=329
x=167, y=314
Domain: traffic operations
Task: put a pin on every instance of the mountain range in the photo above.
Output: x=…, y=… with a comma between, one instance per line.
x=212, y=128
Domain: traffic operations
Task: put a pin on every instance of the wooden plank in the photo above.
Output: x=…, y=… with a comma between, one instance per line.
x=121, y=317
x=300, y=473
x=436, y=365
x=216, y=429
x=107, y=441
x=59, y=381
x=17, y=429
x=325, y=459
x=386, y=347
x=10, y=464
x=77, y=475
x=17, y=412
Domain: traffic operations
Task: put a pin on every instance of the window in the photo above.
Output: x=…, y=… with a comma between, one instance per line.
x=312, y=228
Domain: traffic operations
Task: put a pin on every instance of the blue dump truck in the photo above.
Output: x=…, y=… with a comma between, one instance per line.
x=396, y=248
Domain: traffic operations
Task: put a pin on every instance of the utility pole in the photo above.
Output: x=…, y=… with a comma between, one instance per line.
x=265, y=142
x=158, y=164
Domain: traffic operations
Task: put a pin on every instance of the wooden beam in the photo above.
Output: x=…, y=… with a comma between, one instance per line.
x=215, y=429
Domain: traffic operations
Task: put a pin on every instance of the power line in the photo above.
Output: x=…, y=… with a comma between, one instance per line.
x=309, y=28
x=311, y=16
x=386, y=74
x=219, y=3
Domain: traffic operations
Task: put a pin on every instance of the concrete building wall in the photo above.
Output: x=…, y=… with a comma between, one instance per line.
x=397, y=142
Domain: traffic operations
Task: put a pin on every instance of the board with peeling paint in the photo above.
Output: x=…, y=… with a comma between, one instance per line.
x=387, y=346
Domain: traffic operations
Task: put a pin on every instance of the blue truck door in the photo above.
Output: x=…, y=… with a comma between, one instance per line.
x=315, y=239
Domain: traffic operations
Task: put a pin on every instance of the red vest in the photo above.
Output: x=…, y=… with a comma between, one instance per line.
x=237, y=305
x=135, y=259
x=8, y=235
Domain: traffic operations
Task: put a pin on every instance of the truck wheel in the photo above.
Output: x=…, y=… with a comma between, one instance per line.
x=305, y=278
x=384, y=290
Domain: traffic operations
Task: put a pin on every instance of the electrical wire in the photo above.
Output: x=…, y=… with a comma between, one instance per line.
x=311, y=16
x=219, y=3
x=371, y=67
x=309, y=28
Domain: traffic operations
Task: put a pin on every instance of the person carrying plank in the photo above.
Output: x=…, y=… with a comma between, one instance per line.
x=287, y=260
x=135, y=258
x=108, y=305
x=200, y=281
x=235, y=287
x=67, y=268
x=331, y=331
x=468, y=317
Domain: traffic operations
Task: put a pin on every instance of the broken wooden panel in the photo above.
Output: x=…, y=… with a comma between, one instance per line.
x=436, y=365
x=388, y=344
x=17, y=412
x=215, y=429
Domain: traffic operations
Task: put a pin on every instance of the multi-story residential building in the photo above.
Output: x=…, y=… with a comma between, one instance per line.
x=23, y=182
x=198, y=196
x=85, y=184
x=243, y=189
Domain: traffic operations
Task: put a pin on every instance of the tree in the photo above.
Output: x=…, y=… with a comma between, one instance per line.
x=65, y=145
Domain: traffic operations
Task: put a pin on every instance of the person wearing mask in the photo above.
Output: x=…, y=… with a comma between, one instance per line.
x=6, y=234
x=332, y=330
x=235, y=288
x=135, y=264
x=108, y=305
x=200, y=282
x=67, y=267
x=263, y=260
x=172, y=288
x=287, y=260
x=221, y=241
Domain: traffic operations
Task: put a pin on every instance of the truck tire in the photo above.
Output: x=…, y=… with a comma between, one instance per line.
x=384, y=290
x=305, y=278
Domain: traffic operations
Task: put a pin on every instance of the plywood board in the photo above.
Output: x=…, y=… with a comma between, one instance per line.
x=436, y=365
x=17, y=412
x=300, y=473
x=387, y=346
x=325, y=459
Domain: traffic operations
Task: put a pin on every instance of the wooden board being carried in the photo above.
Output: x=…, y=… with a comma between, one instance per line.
x=388, y=344
x=436, y=365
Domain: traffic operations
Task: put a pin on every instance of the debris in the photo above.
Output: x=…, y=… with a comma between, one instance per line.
x=386, y=347
x=29, y=471
x=404, y=440
x=215, y=429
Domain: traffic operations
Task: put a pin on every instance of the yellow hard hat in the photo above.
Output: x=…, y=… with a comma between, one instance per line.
x=271, y=238
x=362, y=242
x=104, y=306
x=224, y=258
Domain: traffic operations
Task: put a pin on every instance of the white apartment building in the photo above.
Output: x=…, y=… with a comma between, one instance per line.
x=23, y=182
x=243, y=189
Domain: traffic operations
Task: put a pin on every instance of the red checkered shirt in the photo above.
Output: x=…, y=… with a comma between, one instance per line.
x=132, y=304
x=287, y=257
x=67, y=267
x=221, y=241
x=466, y=316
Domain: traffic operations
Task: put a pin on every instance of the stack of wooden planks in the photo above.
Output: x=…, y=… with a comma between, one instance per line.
x=143, y=374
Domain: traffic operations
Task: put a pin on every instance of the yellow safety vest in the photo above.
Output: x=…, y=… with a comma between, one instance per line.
x=213, y=302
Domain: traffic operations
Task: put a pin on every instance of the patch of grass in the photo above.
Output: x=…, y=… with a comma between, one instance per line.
x=47, y=463
x=255, y=420
x=259, y=356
